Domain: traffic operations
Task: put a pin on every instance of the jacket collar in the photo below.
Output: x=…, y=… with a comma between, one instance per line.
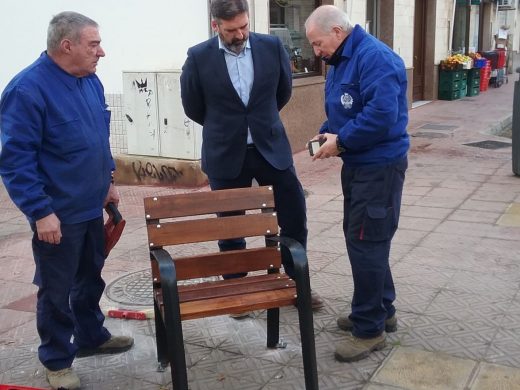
x=69, y=80
x=353, y=40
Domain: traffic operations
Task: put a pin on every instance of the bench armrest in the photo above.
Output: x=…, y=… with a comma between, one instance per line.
x=301, y=267
x=168, y=279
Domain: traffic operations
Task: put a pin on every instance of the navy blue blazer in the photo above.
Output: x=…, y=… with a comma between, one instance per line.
x=209, y=98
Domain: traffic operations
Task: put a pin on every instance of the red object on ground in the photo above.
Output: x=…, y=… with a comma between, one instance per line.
x=126, y=314
x=501, y=62
x=16, y=387
x=113, y=227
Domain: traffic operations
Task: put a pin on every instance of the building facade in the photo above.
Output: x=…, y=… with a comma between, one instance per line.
x=155, y=35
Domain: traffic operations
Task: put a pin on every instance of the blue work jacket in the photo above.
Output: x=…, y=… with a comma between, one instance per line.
x=55, y=155
x=365, y=101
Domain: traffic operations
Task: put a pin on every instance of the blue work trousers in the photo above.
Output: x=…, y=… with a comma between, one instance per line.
x=372, y=203
x=288, y=196
x=68, y=275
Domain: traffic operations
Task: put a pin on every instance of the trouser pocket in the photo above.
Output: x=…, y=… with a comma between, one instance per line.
x=379, y=223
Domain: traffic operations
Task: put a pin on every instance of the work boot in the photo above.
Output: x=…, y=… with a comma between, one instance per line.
x=344, y=323
x=355, y=348
x=115, y=344
x=62, y=379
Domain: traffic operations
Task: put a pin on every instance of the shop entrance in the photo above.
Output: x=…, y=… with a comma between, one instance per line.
x=419, y=44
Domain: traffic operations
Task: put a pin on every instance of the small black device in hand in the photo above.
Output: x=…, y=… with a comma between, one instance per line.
x=315, y=145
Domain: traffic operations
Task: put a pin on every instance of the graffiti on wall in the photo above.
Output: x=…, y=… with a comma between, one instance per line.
x=149, y=170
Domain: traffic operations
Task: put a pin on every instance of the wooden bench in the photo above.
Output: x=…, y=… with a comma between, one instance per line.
x=191, y=218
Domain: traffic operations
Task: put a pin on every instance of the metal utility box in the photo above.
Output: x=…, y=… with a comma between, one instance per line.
x=154, y=118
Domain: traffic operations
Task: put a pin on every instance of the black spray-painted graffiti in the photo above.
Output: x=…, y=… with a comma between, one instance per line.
x=163, y=173
x=142, y=87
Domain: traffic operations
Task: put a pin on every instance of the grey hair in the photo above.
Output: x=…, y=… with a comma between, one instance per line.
x=228, y=9
x=326, y=17
x=66, y=25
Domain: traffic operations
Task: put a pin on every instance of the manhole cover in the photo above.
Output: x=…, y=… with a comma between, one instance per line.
x=433, y=126
x=489, y=144
x=429, y=134
x=132, y=289
x=135, y=289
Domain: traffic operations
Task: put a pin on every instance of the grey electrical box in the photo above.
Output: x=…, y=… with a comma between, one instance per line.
x=154, y=118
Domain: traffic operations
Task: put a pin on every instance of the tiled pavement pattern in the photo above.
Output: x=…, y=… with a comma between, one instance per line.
x=455, y=261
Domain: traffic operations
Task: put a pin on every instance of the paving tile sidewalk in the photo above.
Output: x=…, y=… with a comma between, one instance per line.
x=454, y=260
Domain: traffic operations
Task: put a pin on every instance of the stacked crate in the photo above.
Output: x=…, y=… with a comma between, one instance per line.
x=473, y=82
x=485, y=74
x=452, y=84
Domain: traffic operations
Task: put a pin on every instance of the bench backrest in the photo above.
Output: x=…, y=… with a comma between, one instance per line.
x=191, y=218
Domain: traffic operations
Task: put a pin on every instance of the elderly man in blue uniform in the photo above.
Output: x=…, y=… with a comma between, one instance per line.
x=366, y=107
x=234, y=85
x=56, y=165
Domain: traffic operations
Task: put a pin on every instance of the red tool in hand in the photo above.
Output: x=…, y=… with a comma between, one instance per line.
x=113, y=227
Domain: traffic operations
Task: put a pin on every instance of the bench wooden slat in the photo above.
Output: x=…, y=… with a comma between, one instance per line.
x=223, y=263
x=234, y=287
x=211, y=229
x=246, y=302
x=208, y=202
x=237, y=281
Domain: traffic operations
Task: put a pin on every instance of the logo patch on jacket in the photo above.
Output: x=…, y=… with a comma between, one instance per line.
x=346, y=101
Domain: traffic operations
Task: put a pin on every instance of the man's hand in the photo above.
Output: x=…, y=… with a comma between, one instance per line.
x=328, y=149
x=112, y=196
x=48, y=229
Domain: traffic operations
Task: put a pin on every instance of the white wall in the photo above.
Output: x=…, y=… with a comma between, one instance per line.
x=136, y=34
x=404, y=30
x=442, y=29
x=355, y=9
x=259, y=15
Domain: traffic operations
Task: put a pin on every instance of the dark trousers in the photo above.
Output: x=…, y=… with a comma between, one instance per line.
x=372, y=203
x=288, y=196
x=68, y=275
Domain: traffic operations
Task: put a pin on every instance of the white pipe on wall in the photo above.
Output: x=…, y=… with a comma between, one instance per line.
x=452, y=22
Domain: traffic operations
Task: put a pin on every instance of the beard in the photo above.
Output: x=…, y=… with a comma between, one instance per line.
x=236, y=45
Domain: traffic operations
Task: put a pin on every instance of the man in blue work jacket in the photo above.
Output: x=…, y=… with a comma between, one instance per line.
x=56, y=165
x=366, y=107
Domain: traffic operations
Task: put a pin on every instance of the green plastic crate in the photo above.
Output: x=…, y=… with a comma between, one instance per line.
x=448, y=76
x=474, y=82
x=474, y=73
x=449, y=86
x=473, y=91
x=449, y=95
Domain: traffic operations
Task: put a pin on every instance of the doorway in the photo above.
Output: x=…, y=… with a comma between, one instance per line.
x=419, y=46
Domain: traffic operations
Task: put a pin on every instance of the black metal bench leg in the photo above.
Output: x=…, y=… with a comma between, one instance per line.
x=303, y=291
x=273, y=327
x=160, y=338
x=176, y=349
x=172, y=319
x=307, y=338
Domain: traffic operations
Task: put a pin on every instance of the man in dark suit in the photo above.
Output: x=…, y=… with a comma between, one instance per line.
x=234, y=85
